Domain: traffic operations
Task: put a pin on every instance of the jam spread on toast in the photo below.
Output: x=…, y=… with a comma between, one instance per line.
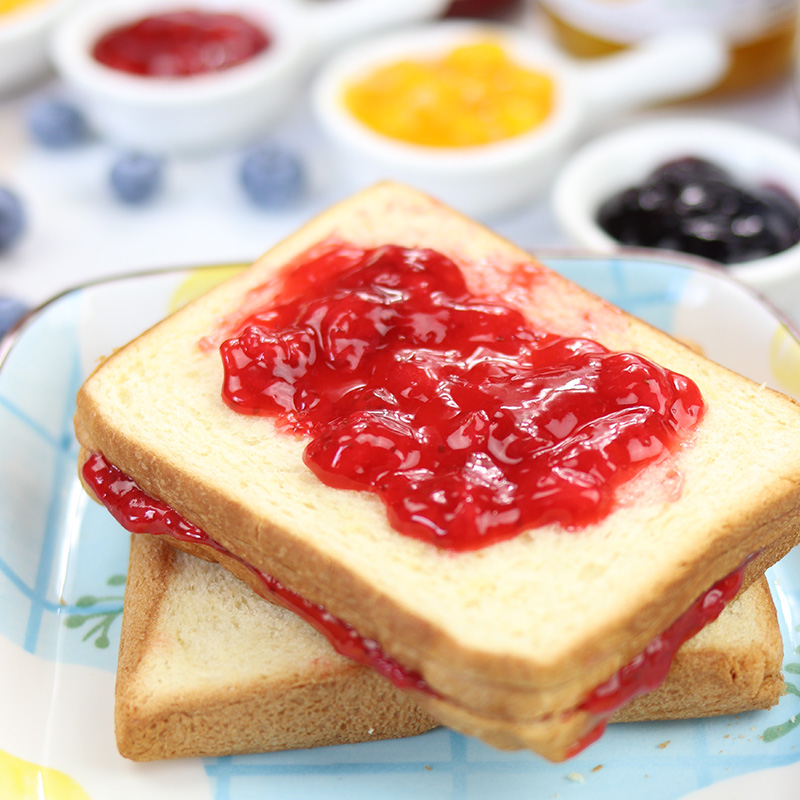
x=140, y=513
x=470, y=424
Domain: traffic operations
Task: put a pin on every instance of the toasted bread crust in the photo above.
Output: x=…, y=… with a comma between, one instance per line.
x=336, y=548
x=318, y=700
x=733, y=666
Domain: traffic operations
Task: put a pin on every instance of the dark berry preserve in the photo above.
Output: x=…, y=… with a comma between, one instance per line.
x=694, y=206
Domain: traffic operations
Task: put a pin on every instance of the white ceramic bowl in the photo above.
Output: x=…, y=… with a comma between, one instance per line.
x=490, y=179
x=211, y=110
x=623, y=158
x=24, y=37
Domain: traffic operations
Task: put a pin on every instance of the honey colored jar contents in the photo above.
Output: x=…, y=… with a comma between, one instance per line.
x=7, y=6
x=474, y=95
x=753, y=63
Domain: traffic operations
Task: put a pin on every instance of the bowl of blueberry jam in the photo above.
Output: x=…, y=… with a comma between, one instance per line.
x=719, y=191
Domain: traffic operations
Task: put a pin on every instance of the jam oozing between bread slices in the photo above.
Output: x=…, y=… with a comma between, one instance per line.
x=140, y=513
x=471, y=425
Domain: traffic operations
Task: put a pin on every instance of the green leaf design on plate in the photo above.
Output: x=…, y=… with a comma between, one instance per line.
x=104, y=619
x=792, y=689
x=777, y=731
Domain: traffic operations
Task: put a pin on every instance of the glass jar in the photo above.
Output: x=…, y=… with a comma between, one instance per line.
x=762, y=33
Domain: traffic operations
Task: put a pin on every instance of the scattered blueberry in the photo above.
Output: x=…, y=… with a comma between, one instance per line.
x=55, y=123
x=136, y=177
x=11, y=310
x=272, y=176
x=12, y=219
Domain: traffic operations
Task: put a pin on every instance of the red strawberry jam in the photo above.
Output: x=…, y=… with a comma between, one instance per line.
x=181, y=43
x=137, y=512
x=471, y=425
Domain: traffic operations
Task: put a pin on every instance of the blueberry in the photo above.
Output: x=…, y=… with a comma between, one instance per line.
x=782, y=214
x=11, y=310
x=12, y=219
x=136, y=177
x=272, y=176
x=56, y=123
x=681, y=171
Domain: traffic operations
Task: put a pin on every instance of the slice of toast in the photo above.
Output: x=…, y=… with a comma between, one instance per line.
x=509, y=639
x=207, y=668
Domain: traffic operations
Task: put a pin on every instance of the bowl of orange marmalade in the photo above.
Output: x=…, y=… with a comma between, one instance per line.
x=480, y=115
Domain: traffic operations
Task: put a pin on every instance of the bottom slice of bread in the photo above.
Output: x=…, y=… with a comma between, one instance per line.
x=208, y=668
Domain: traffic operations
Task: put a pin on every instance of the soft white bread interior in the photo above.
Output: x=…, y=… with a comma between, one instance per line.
x=511, y=637
x=207, y=668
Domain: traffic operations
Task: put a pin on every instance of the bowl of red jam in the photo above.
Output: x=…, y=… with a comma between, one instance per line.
x=720, y=191
x=25, y=28
x=480, y=114
x=205, y=75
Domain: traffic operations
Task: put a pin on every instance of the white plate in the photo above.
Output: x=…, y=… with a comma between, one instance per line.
x=62, y=560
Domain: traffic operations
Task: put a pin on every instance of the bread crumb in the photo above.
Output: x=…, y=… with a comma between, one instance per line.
x=576, y=776
x=428, y=767
x=597, y=768
x=663, y=744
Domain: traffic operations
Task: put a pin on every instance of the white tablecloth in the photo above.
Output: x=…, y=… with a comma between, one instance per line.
x=77, y=232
